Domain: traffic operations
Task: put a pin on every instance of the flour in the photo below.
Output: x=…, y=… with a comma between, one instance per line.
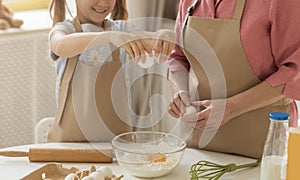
x=139, y=163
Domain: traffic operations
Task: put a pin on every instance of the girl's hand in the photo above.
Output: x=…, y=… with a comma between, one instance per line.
x=132, y=43
x=164, y=42
x=178, y=104
x=220, y=110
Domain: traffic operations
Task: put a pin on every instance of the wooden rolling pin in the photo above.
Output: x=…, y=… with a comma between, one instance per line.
x=63, y=155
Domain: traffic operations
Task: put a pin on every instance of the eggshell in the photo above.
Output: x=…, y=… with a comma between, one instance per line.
x=148, y=63
x=71, y=176
x=97, y=176
x=190, y=110
x=88, y=178
x=106, y=171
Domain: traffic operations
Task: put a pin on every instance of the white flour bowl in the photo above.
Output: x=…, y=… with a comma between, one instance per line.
x=148, y=154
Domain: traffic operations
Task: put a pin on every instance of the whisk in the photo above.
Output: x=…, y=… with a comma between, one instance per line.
x=213, y=171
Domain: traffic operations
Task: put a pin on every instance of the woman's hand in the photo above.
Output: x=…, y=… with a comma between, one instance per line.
x=164, y=42
x=132, y=43
x=212, y=114
x=178, y=104
x=234, y=106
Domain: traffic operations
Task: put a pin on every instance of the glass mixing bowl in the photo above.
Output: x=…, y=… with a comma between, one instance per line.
x=148, y=154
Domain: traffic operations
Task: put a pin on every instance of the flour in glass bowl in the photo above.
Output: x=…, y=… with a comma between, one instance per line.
x=141, y=163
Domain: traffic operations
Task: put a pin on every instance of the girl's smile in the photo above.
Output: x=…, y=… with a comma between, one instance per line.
x=94, y=12
x=101, y=8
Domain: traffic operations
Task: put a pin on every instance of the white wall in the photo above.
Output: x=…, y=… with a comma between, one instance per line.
x=27, y=80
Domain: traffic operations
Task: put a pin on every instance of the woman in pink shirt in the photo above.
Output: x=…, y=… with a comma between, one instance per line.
x=257, y=44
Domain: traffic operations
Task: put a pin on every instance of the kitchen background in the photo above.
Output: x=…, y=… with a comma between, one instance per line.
x=27, y=77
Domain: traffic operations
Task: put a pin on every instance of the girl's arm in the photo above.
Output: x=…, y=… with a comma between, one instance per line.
x=69, y=45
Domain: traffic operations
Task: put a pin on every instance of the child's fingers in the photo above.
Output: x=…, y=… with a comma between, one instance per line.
x=170, y=47
x=157, y=46
x=165, y=48
x=164, y=52
x=136, y=51
x=141, y=50
x=127, y=48
x=146, y=43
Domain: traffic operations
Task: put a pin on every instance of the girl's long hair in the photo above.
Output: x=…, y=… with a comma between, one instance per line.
x=120, y=11
x=58, y=8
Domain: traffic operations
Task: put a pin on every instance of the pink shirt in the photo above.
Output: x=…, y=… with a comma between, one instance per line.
x=270, y=35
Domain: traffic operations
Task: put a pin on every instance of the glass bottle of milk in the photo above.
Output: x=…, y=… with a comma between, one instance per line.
x=274, y=160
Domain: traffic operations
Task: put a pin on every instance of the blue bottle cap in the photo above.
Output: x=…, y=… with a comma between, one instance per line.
x=279, y=116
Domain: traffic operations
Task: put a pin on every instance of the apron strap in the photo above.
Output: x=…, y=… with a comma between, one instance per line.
x=191, y=9
x=189, y=12
x=69, y=72
x=239, y=8
x=67, y=77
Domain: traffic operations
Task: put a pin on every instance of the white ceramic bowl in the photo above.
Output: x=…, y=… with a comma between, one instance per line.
x=148, y=154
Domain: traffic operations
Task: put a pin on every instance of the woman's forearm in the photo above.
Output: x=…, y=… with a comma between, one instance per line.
x=254, y=98
x=179, y=80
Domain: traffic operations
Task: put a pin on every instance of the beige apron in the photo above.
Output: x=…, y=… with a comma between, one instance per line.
x=244, y=135
x=85, y=111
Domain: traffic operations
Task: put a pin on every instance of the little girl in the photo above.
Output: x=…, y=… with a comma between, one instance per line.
x=87, y=58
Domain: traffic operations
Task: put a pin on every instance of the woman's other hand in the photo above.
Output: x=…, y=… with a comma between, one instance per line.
x=212, y=114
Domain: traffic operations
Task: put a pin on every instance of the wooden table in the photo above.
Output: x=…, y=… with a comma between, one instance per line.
x=16, y=168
